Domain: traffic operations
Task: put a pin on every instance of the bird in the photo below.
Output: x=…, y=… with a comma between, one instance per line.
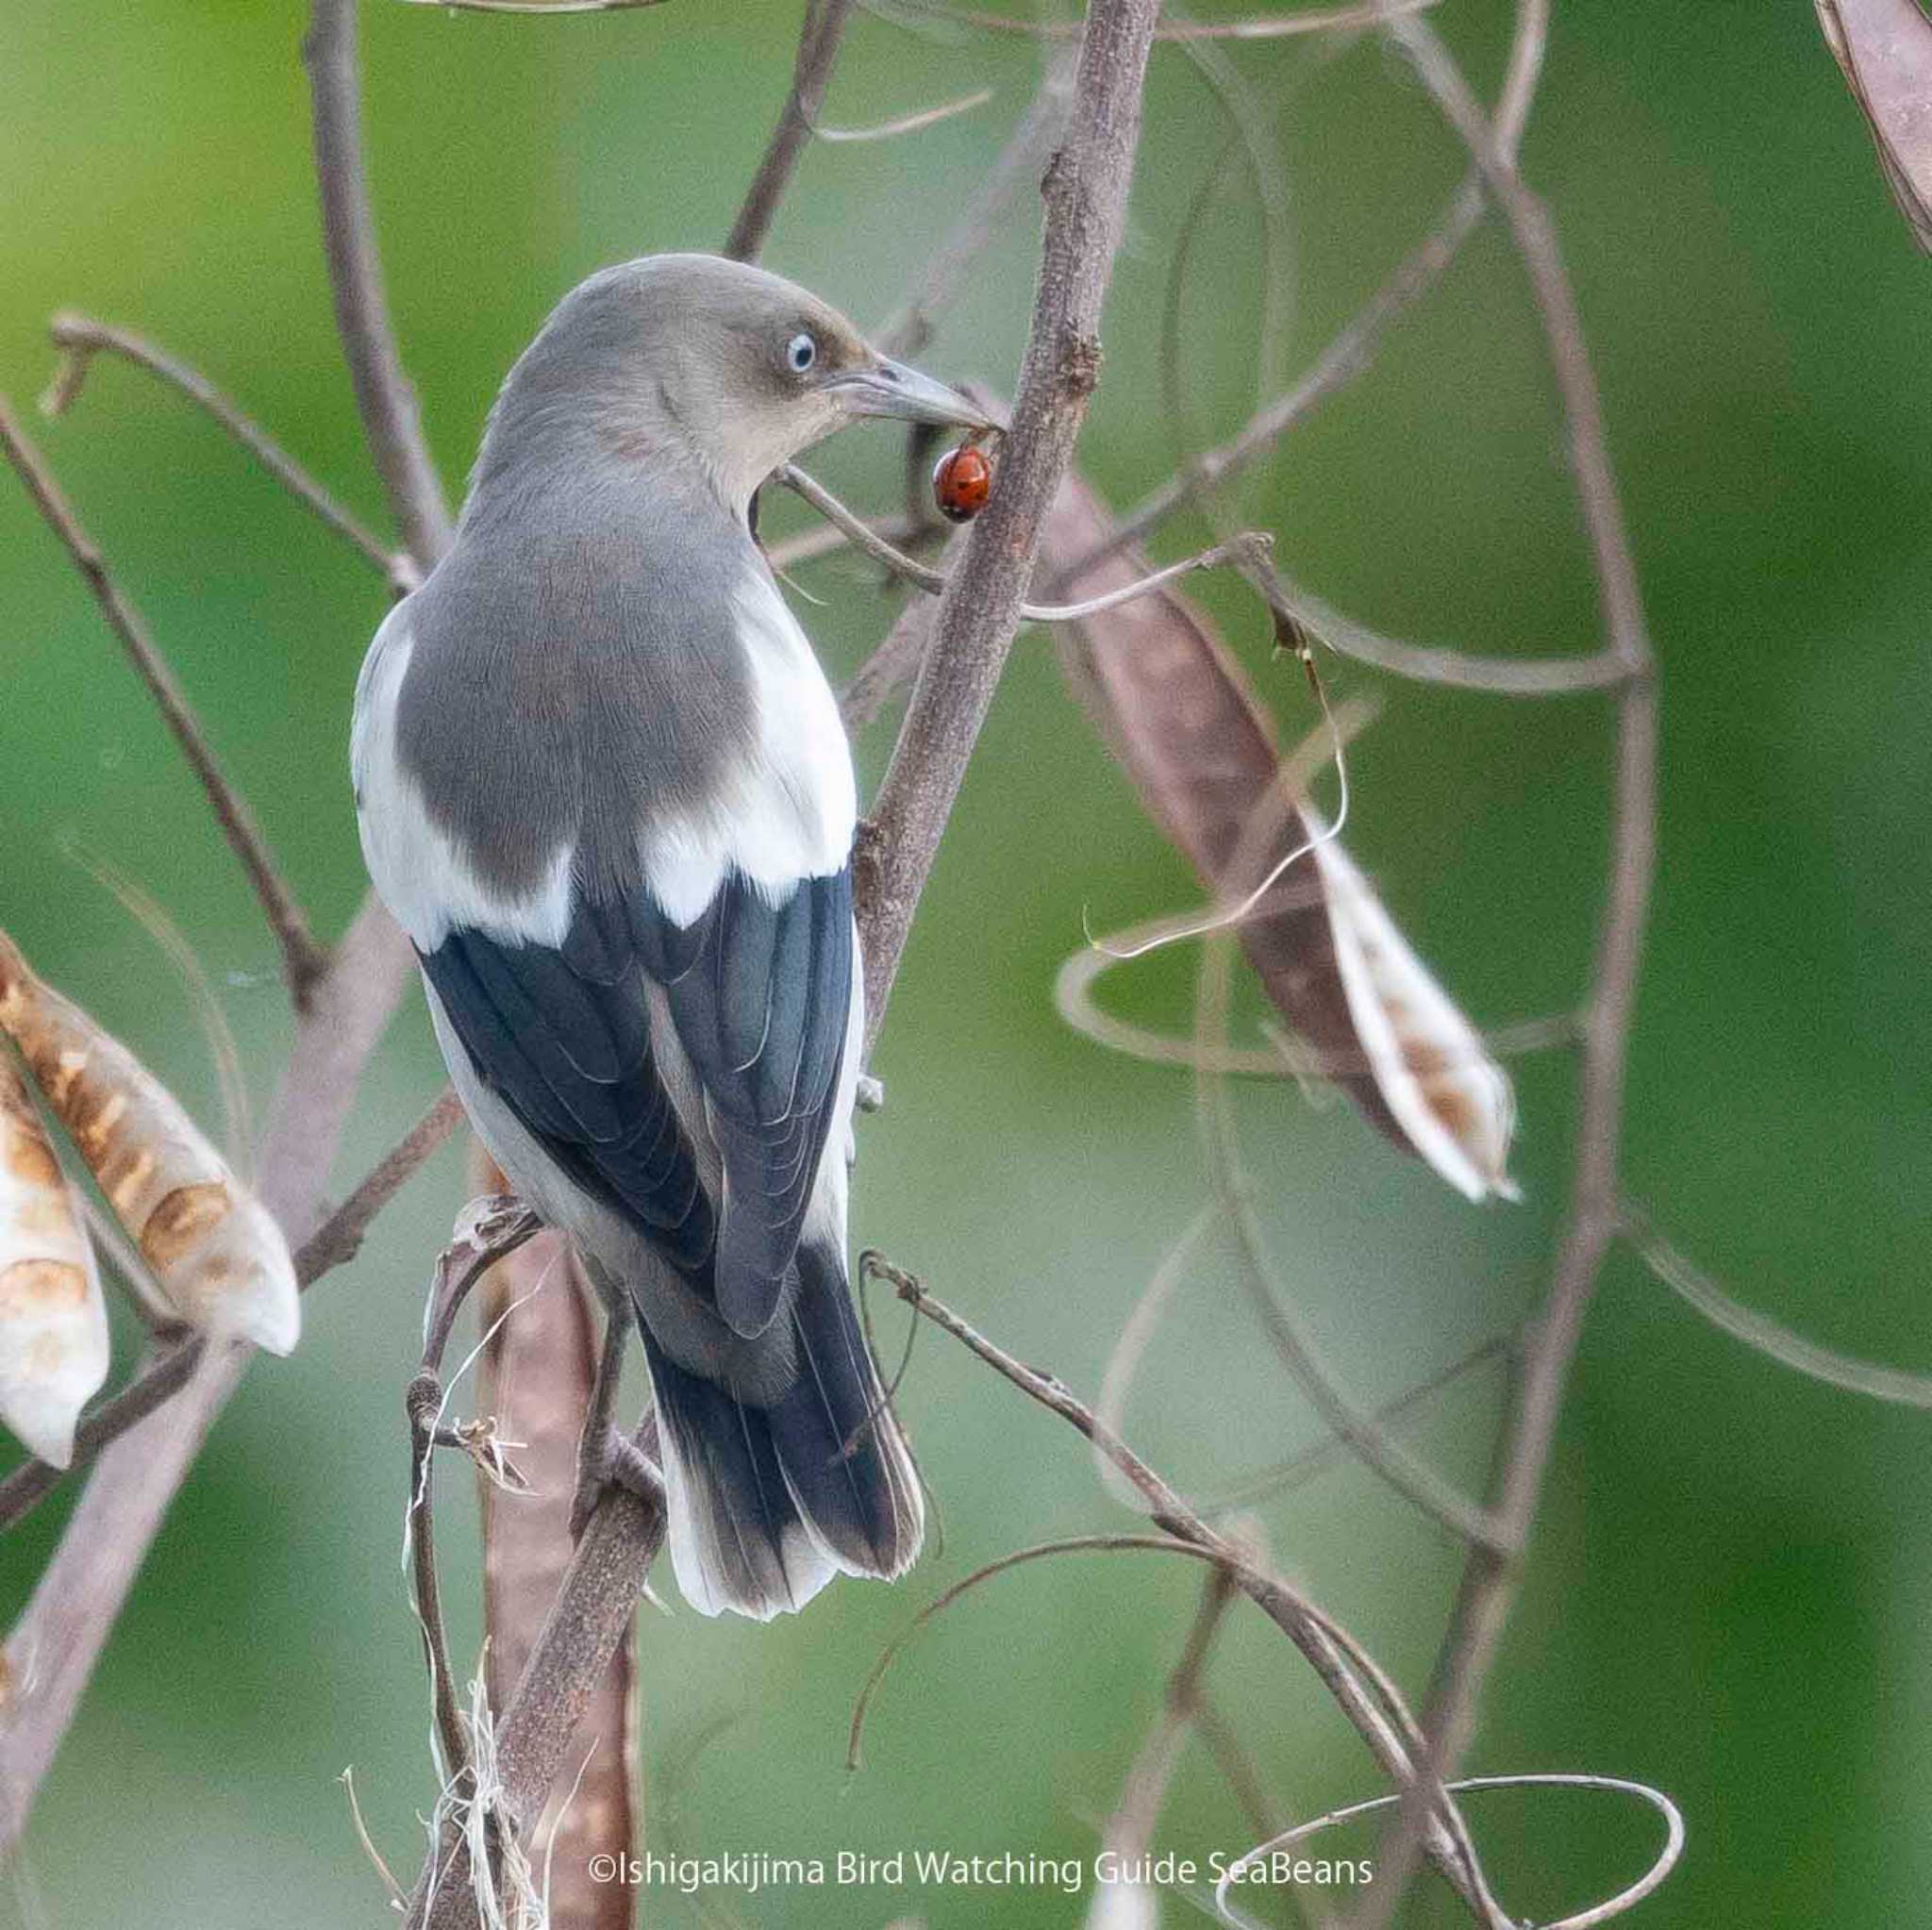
x=602, y=785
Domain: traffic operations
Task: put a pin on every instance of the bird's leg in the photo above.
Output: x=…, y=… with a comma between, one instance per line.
x=605, y=1457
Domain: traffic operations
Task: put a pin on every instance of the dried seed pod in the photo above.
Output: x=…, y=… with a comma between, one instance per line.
x=52, y=1321
x=215, y=1249
x=1434, y=1074
x=1199, y=744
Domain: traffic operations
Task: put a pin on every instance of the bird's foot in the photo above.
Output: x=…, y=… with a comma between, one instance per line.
x=607, y=1458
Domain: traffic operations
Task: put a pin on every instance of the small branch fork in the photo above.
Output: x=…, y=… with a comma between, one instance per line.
x=495, y=1229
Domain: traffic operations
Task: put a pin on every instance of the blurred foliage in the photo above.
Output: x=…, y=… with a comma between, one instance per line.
x=1730, y=1586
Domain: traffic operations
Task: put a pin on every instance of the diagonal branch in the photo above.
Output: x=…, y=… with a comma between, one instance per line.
x=1381, y=1719
x=80, y=1593
x=81, y=339
x=303, y=958
x=392, y=418
x=818, y=54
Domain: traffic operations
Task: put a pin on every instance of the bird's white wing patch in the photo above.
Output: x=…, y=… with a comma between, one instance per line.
x=790, y=811
x=419, y=871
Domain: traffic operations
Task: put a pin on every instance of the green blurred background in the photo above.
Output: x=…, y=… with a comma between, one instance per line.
x=1731, y=1585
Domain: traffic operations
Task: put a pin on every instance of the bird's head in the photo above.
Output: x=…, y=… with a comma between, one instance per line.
x=703, y=364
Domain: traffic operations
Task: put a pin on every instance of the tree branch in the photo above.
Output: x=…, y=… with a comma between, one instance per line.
x=303, y=959
x=392, y=418
x=537, y=1375
x=818, y=54
x=80, y=1593
x=1491, y=1576
x=1086, y=193
x=81, y=339
x=1382, y=1720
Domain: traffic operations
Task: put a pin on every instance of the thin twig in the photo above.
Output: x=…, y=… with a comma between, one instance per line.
x=1381, y=1720
x=1696, y=1288
x=1268, y=1484
x=1491, y=1575
x=1128, y=1832
x=1351, y=352
x=303, y=959
x=1452, y=670
x=1625, y=1899
x=488, y=1238
x=339, y=1239
x=392, y=418
x=1086, y=193
x=1273, y=26
x=82, y=339
x=909, y=327
x=1247, y=550
x=896, y=661
x=904, y=124
x=812, y=71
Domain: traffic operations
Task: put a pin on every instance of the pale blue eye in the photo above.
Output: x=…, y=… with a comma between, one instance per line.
x=801, y=351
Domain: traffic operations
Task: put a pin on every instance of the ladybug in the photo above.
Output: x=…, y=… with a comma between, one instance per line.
x=961, y=482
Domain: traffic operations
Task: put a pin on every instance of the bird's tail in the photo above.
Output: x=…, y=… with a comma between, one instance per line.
x=768, y=1503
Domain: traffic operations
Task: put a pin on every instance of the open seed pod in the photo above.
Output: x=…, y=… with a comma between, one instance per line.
x=1199, y=746
x=53, y=1322
x=215, y=1249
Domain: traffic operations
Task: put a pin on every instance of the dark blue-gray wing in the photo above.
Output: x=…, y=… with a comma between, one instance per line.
x=562, y=1035
x=761, y=994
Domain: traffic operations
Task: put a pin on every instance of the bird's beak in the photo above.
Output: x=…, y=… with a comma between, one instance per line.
x=891, y=389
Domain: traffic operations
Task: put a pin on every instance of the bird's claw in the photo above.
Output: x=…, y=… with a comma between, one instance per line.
x=610, y=1460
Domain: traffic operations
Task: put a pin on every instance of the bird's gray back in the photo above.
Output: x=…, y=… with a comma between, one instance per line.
x=573, y=682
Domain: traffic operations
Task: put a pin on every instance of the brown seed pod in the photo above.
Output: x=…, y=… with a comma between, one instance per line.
x=215, y=1249
x=52, y=1321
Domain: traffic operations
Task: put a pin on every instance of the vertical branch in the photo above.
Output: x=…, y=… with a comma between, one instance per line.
x=1086, y=191
x=818, y=54
x=1491, y=1575
x=390, y=418
x=1086, y=203
x=534, y=1378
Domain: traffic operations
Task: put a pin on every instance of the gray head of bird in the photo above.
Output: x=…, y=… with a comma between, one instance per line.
x=680, y=367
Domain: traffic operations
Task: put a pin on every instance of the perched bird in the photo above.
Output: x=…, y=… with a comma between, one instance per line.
x=603, y=786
